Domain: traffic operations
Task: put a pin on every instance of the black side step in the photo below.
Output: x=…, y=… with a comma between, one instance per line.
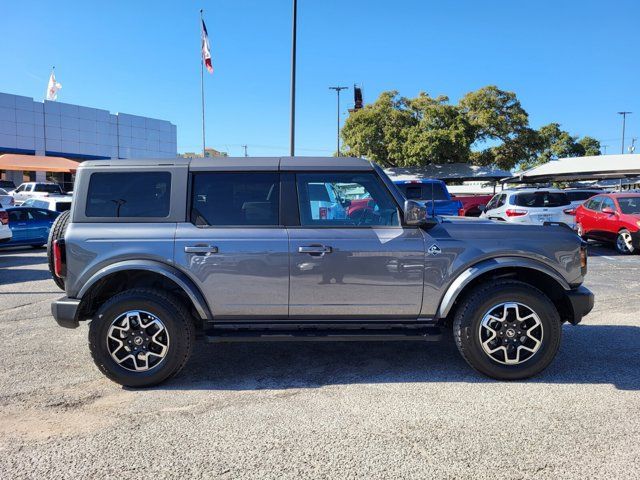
x=220, y=335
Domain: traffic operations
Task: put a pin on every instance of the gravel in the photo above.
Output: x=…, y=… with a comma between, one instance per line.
x=304, y=410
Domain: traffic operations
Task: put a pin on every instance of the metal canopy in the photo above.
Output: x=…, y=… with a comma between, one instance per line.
x=581, y=168
x=448, y=171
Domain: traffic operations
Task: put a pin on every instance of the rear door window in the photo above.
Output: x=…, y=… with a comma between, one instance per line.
x=237, y=199
x=129, y=194
x=541, y=199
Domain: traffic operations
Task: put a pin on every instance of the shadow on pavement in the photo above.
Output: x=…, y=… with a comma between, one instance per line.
x=590, y=354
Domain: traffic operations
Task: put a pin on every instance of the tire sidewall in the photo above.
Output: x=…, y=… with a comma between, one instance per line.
x=551, y=325
x=99, y=329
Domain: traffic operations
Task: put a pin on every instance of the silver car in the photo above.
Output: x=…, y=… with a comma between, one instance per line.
x=239, y=248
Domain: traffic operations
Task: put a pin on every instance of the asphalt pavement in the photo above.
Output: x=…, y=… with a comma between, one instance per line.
x=319, y=410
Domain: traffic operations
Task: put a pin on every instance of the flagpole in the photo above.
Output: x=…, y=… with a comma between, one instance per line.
x=202, y=82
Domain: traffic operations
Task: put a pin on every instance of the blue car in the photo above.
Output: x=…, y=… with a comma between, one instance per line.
x=425, y=189
x=29, y=226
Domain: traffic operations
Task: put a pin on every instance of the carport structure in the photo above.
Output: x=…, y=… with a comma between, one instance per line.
x=624, y=166
x=454, y=172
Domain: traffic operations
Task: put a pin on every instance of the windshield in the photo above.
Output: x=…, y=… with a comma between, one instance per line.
x=418, y=191
x=48, y=187
x=542, y=199
x=3, y=191
x=629, y=205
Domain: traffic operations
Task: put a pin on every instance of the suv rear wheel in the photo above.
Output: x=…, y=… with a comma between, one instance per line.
x=141, y=337
x=507, y=330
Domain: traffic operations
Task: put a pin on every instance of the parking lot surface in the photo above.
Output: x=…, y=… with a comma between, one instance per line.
x=305, y=410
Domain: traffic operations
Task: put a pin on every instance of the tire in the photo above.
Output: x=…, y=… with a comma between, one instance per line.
x=179, y=337
x=624, y=244
x=56, y=232
x=485, y=299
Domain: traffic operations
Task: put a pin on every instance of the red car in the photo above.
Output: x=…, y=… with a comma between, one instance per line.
x=471, y=204
x=613, y=217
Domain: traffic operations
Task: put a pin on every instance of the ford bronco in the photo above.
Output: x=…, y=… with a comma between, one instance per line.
x=243, y=249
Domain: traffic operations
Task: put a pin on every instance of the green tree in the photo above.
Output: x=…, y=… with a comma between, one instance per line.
x=379, y=131
x=488, y=126
x=591, y=146
x=440, y=135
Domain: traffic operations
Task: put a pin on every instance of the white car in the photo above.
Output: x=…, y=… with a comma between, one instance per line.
x=57, y=203
x=5, y=231
x=6, y=200
x=532, y=206
x=35, y=189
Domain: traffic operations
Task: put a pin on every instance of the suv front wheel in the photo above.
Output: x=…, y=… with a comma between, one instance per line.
x=507, y=330
x=141, y=337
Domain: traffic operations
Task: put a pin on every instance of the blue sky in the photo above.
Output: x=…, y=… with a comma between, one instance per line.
x=575, y=62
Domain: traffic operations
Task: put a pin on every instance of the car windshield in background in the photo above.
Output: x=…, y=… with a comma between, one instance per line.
x=3, y=191
x=629, y=205
x=422, y=191
x=47, y=187
x=542, y=199
x=580, y=196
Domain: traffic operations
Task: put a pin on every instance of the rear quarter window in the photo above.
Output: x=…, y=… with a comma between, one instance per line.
x=129, y=194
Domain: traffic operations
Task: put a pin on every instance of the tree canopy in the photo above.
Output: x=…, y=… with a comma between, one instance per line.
x=488, y=126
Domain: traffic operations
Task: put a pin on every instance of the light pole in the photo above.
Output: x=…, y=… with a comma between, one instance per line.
x=624, y=121
x=338, y=89
x=292, y=146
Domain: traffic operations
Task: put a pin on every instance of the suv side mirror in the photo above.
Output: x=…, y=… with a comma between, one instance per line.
x=608, y=211
x=482, y=207
x=415, y=213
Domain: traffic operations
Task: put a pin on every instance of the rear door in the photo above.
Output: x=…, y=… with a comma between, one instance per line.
x=234, y=245
x=363, y=266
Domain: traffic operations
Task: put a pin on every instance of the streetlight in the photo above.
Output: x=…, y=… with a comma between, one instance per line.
x=338, y=89
x=624, y=120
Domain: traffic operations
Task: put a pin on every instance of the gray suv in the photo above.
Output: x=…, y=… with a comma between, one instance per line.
x=259, y=249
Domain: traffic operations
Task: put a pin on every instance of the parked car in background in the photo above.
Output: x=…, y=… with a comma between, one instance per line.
x=424, y=190
x=5, y=231
x=57, y=203
x=530, y=206
x=8, y=185
x=29, y=226
x=611, y=217
x=35, y=189
x=472, y=204
x=6, y=200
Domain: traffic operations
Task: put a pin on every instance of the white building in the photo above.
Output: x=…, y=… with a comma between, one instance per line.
x=76, y=132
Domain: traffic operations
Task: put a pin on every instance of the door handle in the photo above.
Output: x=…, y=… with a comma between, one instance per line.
x=201, y=249
x=316, y=250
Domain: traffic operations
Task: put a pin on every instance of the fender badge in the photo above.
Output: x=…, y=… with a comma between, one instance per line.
x=434, y=250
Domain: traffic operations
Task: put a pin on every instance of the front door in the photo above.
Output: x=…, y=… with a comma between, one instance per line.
x=234, y=247
x=350, y=256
